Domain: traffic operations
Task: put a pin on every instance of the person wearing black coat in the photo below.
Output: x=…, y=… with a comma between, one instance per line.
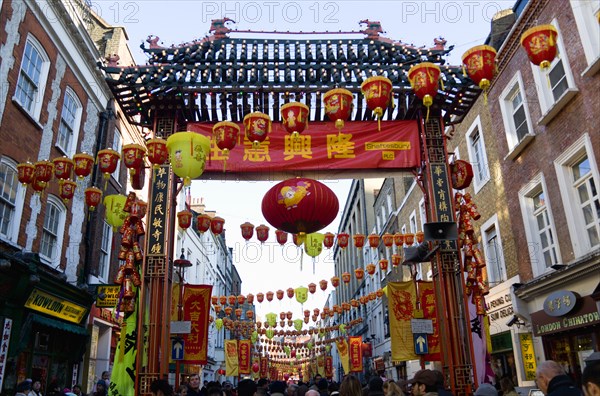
x=552, y=380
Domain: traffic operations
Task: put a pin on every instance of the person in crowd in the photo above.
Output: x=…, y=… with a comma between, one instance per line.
x=350, y=386
x=486, y=390
x=182, y=390
x=23, y=388
x=161, y=387
x=552, y=380
x=314, y=385
x=302, y=389
x=277, y=388
x=101, y=389
x=262, y=387
x=590, y=379
x=507, y=387
x=334, y=389
x=36, y=388
x=246, y=387
x=323, y=387
x=194, y=385
x=77, y=390
x=375, y=386
x=312, y=392
x=424, y=383
x=291, y=389
x=106, y=378
x=441, y=384
x=393, y=389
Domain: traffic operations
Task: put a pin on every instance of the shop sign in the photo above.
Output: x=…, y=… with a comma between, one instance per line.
x=528, y=356
x=500, y=308
x=586, y=314
x=379, y=365
x=560, y=303
x=6, y=330
x=111, y=296
x=55, y=306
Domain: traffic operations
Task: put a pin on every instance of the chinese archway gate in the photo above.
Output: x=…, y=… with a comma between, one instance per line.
x=198, y=84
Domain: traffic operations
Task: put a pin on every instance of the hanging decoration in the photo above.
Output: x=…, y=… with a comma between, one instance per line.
x=540, y=44
x=371, y=268
x=247, y=230
x=187, y=153
x=281, y=237
x=313, y=244
x=335, y=281
x=300, y=206
x=398, y=239
x=374, y=240
x=66, y=190
x=424, y=78
x=133, y=158
x=342, y=240
x=383, y=264
x=107, y=160
x=63, y=167
x=461, y=174
x=378, y=94
x=26, y=173
x=257, y=127
x=217, y=225
x=328, y=240
x=480, y=63
x=184, y=219
x=203, y=223
x=294, y=116
x=115, y=215
x=157, y=152
x=43, y=173
x=262, y=233
x=92, y=197
x=359, y=240
x=338, y=106
x=83, y=164
x=359, y=273
x=226, y=135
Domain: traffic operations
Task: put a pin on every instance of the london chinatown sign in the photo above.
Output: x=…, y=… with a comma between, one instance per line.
x=586, y=315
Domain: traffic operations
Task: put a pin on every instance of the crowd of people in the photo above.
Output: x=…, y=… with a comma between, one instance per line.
x=33, y=387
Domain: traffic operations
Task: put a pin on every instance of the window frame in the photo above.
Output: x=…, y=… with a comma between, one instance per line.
x=116, y=175
x=61, y=223
x=515, y=146
x=105, y=255
x=37, y=104
x=536, y=257
x=69, y=150
x=589, y=32
x=14, y=227
x=492, y=222
x=574, y=217
x=477, y=182
x=550, y=107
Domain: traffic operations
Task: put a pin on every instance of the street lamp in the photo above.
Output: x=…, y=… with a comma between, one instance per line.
x=181, y=263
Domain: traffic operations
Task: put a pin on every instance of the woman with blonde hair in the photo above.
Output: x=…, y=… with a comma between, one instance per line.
x=350, y=386
x=393, y=389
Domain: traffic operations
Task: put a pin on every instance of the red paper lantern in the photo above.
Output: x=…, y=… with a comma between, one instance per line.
x=216, y=225
x=374, y=240
x=420, y=236
x=398, y=239
x=461, y=174
x=388, y=240
x=294, y=116
x=480, y=63
x=133, y=157
x=231, y=299
x=223, y=300
x=250, y=298
x=26, y=173
x=298, y=239
x=92, y=197
x=184, y=218
x=359, y=240
x=157, y=152
x=226, y=135
x=83, y=164
x=540, y=44
x=383, y=264
x=346, y=277
x=279, y=294
x=300, y=206
x=257, y=126
x=281, y=237
x=290, y=292
x=249, y=314
x=255, y=367
x=247, y=230
x=409, y=239
x=335, y=281
x=238, y=312
x=328, y=239
x=378, y=93
x=108, y=160
x=423, y=79
x=63, y=167
x=371, y=268
x=323, y=284
x=338, y=106
x=260, y=297
x=43, y=172
x=359, y=273
x=214, y=300
x=203, y=223
x=342, y=240
x=66, y=190
x=228, y=310
x=312, y=288
x=241, y=299
x=262, y=233
x=270, y=295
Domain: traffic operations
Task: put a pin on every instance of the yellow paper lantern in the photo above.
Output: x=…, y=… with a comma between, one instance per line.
x=114, y=204
x=313, y=244
x=187, y=154
x=301, y=294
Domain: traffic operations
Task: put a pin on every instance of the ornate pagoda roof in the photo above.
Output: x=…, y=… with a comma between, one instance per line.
x=220, y=78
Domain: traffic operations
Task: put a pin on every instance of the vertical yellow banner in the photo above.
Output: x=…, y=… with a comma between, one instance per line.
x=401, y=304
x=231, y=358
x=528, y=356
x=342, y=347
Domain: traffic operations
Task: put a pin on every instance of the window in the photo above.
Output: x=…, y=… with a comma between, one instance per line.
x=515, y=114
x=493, y=252
x=556, y=85
x=32, y=78
x=12, y=195
x=578, y=179
x=539, y=226
x=69, y=123
x=422, y=213
x=52, y=234
x=477, y=155
x=586, y=16
x=388, y=198
x=117, y=146
x=105, y=249
x=413, y=222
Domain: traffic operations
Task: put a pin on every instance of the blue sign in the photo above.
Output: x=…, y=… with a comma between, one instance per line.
x=421, y=347
x=177, y=349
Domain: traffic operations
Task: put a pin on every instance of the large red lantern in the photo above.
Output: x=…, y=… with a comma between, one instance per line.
x=300, y=206
x=216, y=225
x=247, y=230
x=540, y=44
x=203, y=223
x=328, y=239
x=262, y=233
x=66, y=190
x=294, y=116
x=63, y=167
x=108, y=160
x=480, y=63
x=184, y=218
x=338, y=106
x=83, y=164
x=26, y=173
x=378, y=93
x=92, y=197
x=133, y=157
x=226, y=135
x=257, y=126
x=43, y=172
x=342, y=240
x=461, y=174
x=424, y=78
x=157, y=152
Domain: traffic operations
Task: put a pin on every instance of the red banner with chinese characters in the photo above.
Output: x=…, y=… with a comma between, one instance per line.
x=244, y=358
x=427, y=298
x=196, y=307
x=359, y=146
x=264, y=367
x=328, y=366
x=355, y=354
